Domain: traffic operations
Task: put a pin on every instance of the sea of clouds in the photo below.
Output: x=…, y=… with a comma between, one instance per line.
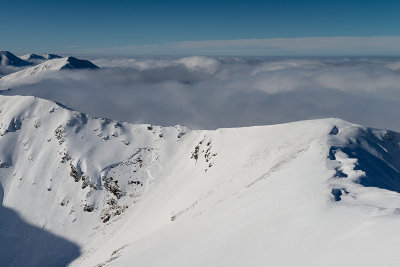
x=213, y=92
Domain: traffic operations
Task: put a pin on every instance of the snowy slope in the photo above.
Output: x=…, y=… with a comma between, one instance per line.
x=45, y=70
x=271, y=199
x=93, y=191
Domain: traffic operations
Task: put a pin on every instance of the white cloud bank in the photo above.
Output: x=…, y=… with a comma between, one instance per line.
x=338, y=45
x=211, y=92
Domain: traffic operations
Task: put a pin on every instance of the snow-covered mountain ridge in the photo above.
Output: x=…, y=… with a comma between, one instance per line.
x=9, y=59
x=118, y=194
x=39, y=58
x=45, y=69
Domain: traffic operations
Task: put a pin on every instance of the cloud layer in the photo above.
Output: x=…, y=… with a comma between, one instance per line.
x=310, y=46
x=212, y=92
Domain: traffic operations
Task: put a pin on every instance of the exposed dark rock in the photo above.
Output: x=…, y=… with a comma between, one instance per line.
x=336, y=194
x=334, y=131
x=75, y=173
x=88, y=208
x=112, y=186
x=59, y=134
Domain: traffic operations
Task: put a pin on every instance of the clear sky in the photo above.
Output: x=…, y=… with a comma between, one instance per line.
x=201, y=27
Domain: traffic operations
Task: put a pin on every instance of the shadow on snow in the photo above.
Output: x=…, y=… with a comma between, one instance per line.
x=23, y=244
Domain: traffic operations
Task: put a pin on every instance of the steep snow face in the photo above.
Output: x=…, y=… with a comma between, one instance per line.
x=45, y=70
x=9, y=59
x=117, y=194
x=364, y=157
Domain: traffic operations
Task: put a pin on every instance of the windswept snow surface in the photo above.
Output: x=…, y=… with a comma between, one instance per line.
x=108, y=193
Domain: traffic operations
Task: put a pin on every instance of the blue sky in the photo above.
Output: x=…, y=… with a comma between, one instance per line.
x=285, y=27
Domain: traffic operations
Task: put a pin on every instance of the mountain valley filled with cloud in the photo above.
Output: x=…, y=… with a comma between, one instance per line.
x=119, y=180
x=249, y=90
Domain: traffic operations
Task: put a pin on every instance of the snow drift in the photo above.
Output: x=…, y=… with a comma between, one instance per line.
x=105, y=192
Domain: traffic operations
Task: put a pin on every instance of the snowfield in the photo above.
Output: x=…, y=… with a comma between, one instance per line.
x=85, y=191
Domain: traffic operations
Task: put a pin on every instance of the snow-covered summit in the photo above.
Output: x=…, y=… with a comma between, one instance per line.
x=45, y=70
x=9, y=59
x=117, y=194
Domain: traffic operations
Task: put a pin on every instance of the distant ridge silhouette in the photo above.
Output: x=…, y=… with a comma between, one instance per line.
x=9, y=59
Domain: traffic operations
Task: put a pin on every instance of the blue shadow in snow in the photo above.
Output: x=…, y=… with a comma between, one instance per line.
x=22, y=244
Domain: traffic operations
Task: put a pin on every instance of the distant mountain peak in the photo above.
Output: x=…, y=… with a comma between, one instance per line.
x=51, y=56
x=28, y=57
x=9, y=59
x=74, y=63
x=36, y=73
x=36, y=58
